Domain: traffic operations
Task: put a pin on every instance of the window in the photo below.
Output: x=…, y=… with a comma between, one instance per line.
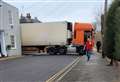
x=13, y=44
x=10, y=17
x=87, y=35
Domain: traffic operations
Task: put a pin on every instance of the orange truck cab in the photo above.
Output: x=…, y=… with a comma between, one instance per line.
x=82, y=31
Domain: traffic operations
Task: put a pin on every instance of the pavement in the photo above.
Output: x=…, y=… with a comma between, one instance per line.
x=33, y=68
x=96, y=70
x=10, y=57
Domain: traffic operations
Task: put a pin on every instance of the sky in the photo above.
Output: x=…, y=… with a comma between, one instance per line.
x=60, y=10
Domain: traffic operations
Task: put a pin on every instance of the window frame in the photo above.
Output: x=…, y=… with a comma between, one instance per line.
x=10, y=18
x=12, y=37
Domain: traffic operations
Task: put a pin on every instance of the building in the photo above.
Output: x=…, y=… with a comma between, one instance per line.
x=28, y=19
x=10, y=42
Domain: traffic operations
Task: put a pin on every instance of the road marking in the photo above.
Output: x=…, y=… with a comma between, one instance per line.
x=58, y=76
x=67, y=71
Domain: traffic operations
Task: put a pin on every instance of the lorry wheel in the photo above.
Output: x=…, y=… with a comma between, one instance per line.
x=80, y=54
x=62, y=51
x=50, y=51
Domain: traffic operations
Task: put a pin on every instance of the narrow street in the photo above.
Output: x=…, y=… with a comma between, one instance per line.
x=32, y=68
x=59, y=40
x=93, y=71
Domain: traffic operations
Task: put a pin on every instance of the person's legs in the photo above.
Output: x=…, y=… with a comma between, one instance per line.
x=98, y=48
x=88, y=55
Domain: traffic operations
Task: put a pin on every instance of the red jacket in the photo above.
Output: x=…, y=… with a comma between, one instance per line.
x=88, y=46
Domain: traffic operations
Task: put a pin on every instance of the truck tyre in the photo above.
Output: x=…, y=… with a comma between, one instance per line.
x=50, y=51
x=63, y=51
x=80, y=50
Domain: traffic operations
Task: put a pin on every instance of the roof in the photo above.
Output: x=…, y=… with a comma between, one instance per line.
x=2, y=3
x=83, y=26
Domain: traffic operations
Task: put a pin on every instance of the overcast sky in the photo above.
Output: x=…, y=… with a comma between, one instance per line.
x=60, y=10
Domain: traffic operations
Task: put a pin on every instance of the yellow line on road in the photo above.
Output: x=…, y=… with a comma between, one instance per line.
x=67, y=71
x=64, y=71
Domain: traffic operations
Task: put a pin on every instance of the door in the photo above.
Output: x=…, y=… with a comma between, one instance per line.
x=2, y=44
x=0, y=49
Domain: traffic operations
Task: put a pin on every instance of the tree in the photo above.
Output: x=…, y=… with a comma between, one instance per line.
x=110, y=30
x=117, y=34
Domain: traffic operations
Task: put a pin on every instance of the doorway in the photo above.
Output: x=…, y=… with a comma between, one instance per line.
x=0, y=49
x=3, y=51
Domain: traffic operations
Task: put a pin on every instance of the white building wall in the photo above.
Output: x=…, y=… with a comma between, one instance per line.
x=8, y=31
x=0, y=16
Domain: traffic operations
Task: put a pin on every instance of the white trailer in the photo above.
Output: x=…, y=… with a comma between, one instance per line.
x=10, y=42
x=51, y=36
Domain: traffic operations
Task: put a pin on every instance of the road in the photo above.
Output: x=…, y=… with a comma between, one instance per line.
x=32, y=68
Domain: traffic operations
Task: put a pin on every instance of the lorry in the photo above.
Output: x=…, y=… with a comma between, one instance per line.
x=55, y=37
x=50, y=37
x=82, y=31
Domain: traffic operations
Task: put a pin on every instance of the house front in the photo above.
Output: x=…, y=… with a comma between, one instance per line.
x=10, y=42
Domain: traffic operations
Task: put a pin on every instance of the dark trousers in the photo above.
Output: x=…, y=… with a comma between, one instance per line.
x=98, y=48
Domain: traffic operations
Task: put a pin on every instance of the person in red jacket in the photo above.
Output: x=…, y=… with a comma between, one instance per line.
x=88, y=48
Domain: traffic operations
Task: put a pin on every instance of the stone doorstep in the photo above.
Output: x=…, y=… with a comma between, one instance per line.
x=11, y=57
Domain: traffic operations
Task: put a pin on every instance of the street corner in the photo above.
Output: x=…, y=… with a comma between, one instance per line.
x=11, y=57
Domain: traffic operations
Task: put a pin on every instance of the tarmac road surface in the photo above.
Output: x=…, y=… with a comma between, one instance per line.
x=33, y=68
